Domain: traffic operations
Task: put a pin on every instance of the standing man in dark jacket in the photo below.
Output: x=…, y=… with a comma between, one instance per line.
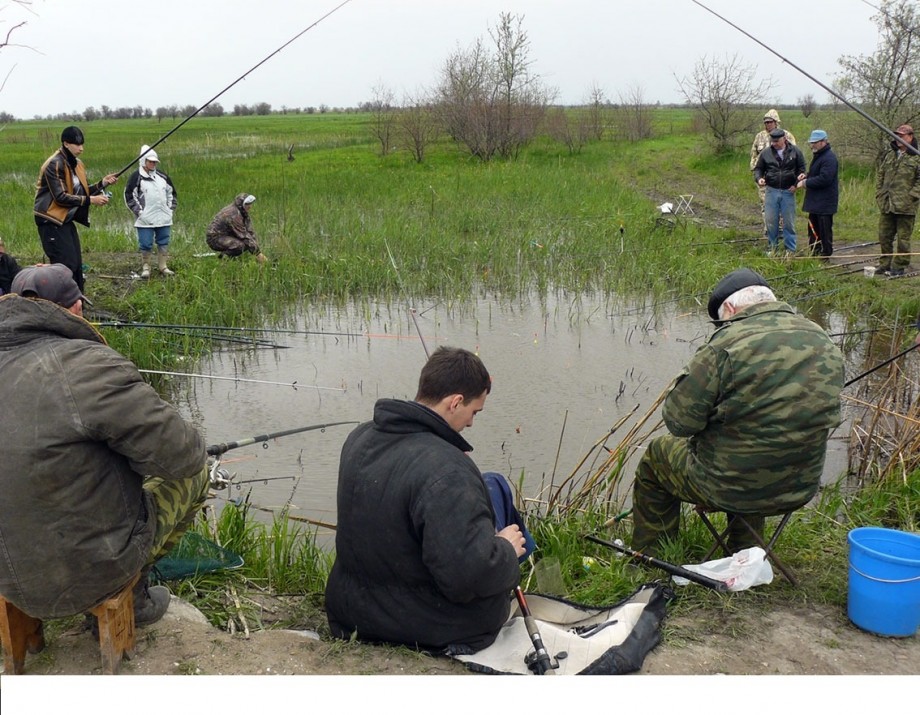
x=822, y=193
x=418, y=558
x=749, y=417
x=62, y=197
x=778, y=169
x=897, y=193
x=81, y=433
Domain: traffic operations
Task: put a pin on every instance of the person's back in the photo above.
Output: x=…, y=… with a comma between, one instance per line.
x=764, y=442
x=418, y=560
x=81, y=429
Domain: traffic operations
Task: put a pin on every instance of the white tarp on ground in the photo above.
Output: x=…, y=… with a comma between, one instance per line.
x=580, y=639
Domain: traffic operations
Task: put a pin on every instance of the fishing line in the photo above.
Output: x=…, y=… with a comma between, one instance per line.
x=233, y=83
x=827, y=89
x=167, y=326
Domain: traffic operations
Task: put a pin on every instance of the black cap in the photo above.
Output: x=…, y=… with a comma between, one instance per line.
x=778, y=133
x=734, y=281
x=72, y=135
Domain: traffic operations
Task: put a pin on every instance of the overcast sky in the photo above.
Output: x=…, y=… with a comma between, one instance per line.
x=71, y=55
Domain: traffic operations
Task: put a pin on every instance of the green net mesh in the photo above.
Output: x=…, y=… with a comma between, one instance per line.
x=195, y=555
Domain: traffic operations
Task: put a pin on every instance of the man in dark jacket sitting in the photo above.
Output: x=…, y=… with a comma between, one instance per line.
x=81, y=432
x=418, y=558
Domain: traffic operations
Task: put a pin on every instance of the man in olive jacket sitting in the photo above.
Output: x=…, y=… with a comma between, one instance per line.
x=81, y=433
x=418, y=558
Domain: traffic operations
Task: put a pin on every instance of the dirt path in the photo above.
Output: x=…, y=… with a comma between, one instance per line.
x=784, y=641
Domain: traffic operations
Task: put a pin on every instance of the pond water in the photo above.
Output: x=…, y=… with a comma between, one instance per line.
x=564, y=370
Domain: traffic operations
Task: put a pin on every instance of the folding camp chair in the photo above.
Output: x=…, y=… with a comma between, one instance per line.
x=684, y=202
x=766, y=545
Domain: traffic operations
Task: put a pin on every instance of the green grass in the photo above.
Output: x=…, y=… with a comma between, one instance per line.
x=583, y=223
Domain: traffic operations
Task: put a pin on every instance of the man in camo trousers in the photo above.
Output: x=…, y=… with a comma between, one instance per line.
x=749, y=417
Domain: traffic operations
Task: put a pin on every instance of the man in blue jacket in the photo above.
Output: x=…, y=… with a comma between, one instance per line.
x=821, y=194
x=419, y=560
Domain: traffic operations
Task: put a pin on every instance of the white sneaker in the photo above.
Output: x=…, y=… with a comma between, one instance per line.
x=145, y=272
x=166, y=272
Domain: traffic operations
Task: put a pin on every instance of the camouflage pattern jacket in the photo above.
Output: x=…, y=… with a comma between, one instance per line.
x=757, y=403
x=897, y=186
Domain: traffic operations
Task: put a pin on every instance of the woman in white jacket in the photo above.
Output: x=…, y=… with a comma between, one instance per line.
x=152, y=198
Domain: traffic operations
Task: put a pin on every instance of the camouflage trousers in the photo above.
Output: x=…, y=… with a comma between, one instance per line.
x=228, y=245
x=891, y=226
x=663, y=480
x=176, y=503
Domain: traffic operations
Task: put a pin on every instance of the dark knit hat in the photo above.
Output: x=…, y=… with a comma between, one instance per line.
x=72, y=135
x=52, y=282
x=778, y=133
x=734, y=281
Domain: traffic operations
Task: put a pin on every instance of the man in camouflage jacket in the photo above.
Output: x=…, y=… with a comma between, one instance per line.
x=749, y=417
x=897, y=193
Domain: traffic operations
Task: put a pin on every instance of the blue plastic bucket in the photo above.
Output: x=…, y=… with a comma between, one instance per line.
x=884, y=581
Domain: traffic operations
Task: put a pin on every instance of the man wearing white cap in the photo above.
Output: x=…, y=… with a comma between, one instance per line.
x=152, y=198
x=230, y=232
x=822, y=194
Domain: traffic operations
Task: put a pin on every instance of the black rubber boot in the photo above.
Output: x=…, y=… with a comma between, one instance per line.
x=150, y=602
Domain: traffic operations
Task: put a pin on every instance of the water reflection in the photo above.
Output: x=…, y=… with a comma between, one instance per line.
x=564, y=372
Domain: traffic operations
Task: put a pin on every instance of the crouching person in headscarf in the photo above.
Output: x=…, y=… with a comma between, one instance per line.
x=82, y=435
x=230, y=232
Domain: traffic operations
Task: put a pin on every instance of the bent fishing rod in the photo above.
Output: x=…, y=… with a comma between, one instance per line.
x=217, y=449
x=818, y=82
x=232, y=84
x=670, y=568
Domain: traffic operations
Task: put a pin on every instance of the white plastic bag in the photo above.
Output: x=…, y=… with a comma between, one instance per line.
x=741, y=571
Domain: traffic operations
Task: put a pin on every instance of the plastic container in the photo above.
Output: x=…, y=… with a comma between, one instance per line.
x=869, y=271
x=884, y=581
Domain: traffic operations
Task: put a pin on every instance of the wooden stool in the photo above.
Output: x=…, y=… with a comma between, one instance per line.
x=21, y=632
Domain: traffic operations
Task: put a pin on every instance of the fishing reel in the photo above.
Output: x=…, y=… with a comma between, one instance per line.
x=219, y=477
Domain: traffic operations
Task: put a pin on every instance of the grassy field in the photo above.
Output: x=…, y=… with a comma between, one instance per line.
x=330, y=219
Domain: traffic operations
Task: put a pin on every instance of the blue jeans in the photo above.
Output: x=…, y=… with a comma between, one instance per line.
x=146, y=235
x=778, y=202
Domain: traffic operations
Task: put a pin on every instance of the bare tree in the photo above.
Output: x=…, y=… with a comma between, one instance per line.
x=720, y=91
x=383, y=117
x=807, y=104
x=596, y=111
x=567, y=129
x=886, y=83
x=488, y=98
x=418, y=125
x=634, y=114
x=6, y=39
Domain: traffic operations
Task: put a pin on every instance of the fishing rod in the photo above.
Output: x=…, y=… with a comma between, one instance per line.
x=225, y=89
x=218, y=449
x=670, y=568
x=214, y=337
x=168, y=326
x=541, y=664
x=827, y=89
x=882, y=364
x=240, y=379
